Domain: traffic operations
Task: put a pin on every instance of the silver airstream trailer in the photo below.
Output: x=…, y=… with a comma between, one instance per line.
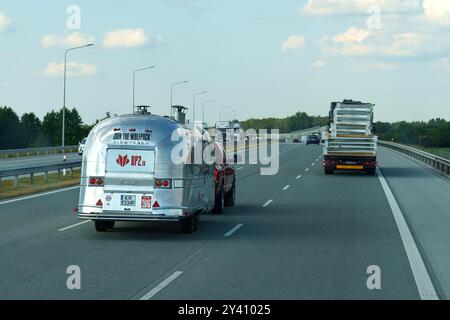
x=128, y=175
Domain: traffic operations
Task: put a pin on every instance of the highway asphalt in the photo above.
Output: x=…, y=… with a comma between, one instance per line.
x=296, y=235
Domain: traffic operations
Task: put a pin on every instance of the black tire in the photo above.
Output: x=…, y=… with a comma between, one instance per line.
x=230, y=197
x=329, y=171
x=371, y=172
x=188, y=225
x=103, y=226
x=196, y=221
x=220, y=202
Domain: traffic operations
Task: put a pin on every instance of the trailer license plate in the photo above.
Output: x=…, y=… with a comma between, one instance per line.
x=350, y=167
x=127, y=201
x=146, y=202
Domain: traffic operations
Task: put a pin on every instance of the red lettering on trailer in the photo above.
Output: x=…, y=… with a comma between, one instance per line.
x=123, y=160
x=136, y=161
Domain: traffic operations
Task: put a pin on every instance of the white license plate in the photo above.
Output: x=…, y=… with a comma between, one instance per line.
x=128, y=201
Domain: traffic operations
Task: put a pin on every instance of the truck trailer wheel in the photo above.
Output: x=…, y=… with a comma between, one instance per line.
x=329, y=171
x=103, y=226
x=190, y=224
x=220, y=202
x=230, y=197
x=371, y=172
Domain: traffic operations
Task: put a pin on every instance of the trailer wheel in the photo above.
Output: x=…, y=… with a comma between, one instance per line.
x=329, y=171
x=230, y=197
x=371, y=171
x=189, y=225
x=103, y=226
x=220, y=202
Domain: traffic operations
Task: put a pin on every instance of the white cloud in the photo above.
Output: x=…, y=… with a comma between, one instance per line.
x=332, y=7
x=360, y=42
x=384, y=66
x=437, y=11
x=319, y=64
x=128, y=38
x=293, y=42
x=352, y=35
x=353, y=50
x=5, y=22
x=405, y=44
x=74, y=39
x=74, y=69
x=443, y=64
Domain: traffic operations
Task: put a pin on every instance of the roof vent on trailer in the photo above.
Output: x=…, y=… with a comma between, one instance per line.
x=141, y=110
x=179, y=114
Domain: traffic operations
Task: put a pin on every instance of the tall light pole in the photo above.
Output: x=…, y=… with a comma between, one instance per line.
x=134, y=81
x=229, y=113
x=204, y=104
x=64, y=90
x=171, y=93
x=221, y=110
x=193, y=105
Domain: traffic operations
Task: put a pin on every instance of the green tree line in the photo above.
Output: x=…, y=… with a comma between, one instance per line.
x=429, y=134
x=28, y=131
x=432, y=134
x=299, y=121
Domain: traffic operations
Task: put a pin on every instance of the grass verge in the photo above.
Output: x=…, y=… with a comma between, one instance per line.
x=7, y=189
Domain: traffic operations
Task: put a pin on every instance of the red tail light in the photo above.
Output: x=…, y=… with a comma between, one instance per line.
x=216, y=174
x=156, y=204
x=163, y=183
x=96, y=181
x=99, y=203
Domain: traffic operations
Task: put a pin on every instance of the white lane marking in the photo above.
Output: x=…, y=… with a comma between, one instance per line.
x=161, y=286
x=287, y=187
x=317, y=160
x=240, y=168
x=73, y=226
x=307, y=169
x=38, y=195
x=419, y=270
x=298, y=177
x=267, y=203
x=236, y=228
x=313, y=164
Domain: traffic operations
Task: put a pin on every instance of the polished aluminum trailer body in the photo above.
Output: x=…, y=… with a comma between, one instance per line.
x=128, y=173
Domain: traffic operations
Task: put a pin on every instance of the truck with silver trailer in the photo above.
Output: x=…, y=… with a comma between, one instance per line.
x=128, y=174
x=350, y=142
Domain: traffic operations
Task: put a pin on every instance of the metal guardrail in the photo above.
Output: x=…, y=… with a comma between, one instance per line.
x=299, y=134
x=31, y=171
x=438, y=163
x=36, y=151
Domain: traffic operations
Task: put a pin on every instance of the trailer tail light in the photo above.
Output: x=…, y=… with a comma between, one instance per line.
x=99, y=203
x=216, y=175
x=163, y=183
x=156, y=204
x=96, y=182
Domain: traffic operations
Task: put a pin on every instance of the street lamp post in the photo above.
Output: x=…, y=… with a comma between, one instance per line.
x=204, y=104
x=229, y=113
x=171, y=93
x=221, y=110
x=193, y=105
x=64, y=91
x=134, y=81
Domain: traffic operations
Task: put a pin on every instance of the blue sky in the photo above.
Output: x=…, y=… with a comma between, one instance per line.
x=262, y=57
